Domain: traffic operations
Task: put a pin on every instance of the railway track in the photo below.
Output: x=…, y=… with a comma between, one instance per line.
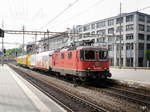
x=70, y=102
x=127, y=94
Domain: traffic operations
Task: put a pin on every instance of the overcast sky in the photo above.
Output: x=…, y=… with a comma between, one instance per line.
x=35, y=14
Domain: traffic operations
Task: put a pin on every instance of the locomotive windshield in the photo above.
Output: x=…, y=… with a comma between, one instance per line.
x=103, y=55
x=87, y=55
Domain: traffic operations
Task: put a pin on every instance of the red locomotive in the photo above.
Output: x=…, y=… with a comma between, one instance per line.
x=83, y=62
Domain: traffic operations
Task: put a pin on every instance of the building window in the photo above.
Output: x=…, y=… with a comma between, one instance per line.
x=129, y=46
x=118, y=47
x=100, y=24
x=141, y=18
x=118, y=37
x=85, y=28
x=119, y=20
x=148, y=46
x=110, y=39
x=101, y=39
x=110, y=30
x=110, y=22
x=80, y=30
x=129, y=27
x=129, y=18
x=93, y=32
x=148, y=37
x=119, y=28
x=141, y=36
x=141, y=46
x=101, y=32
x=93, y=26
x=148, y=19
x=110, y=48
x=141, y=27
x=129, y=36
x=148, y=28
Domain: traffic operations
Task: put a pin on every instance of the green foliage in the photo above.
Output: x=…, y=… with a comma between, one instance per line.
x=12, y=52
x=148, y=54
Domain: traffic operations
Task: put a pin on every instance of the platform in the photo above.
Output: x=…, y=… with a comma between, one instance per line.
x=133, y=75
x=18, y=95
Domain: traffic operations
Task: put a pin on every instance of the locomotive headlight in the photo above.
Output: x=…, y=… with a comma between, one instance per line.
x=88, y=68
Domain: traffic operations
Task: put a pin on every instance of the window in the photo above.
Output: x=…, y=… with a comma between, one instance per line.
x=129, y=18
x=148, y=46
x=118, y=37
x=110, y=22
x=85, y=28
x=148, y=19
x=141, y=46
x=100, y=24
x=57, y=56
x=62, y=55
x=87, y=55
x=110, y=39
x=148, y=37
x=141, y=36
x=129, y=46
x=80, y=29
x=110, y=47
x=118, y=47
x=119, y=20
x=141, y=27
x=141, y=18
x=103, y=55
x=129, y=27
x=129, y=36
x=93, y=26
x=93, y=32
x=101, y=39
x=148, y=28
x=119, y=28
x=101, y=32
x=69, y=55
x=110, y=30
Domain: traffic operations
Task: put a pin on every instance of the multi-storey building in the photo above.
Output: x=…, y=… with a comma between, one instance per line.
x=134, y=30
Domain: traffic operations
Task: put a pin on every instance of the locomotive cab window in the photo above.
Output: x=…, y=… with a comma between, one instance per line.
x=87, y=55
x=103, y=55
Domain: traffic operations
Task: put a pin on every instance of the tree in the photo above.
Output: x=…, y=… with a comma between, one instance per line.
x=148, y=56
x=14, y=51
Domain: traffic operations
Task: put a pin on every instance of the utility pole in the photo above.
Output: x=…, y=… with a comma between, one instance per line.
x=48, y=38
x=120, y=46
x=35, y=48
x=3, y=44
x=23, y=28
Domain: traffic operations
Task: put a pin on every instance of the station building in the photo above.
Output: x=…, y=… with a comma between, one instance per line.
x=135, y=37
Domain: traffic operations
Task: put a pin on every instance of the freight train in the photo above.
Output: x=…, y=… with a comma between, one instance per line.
x=79, y=62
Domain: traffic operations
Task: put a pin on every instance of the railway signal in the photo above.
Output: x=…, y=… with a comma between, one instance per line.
x=1, y=33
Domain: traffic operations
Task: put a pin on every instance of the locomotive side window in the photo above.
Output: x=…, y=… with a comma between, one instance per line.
x=62, y=55
x=69, y=55
x=103, y=54
x=57, y=56
x=82, y=55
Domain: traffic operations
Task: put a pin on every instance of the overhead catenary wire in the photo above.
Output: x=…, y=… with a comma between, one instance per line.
x=84, y=11
x=68, y=7
x=147, y=7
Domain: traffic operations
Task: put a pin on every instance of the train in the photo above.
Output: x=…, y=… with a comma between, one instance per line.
x=82, y=63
